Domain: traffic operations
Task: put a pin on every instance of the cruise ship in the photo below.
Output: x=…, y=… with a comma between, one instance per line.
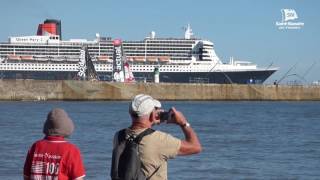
x=46, y=56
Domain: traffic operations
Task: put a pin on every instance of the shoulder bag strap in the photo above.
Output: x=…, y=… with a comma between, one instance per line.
x=144, y=133
x=154, y=172
x=121, y=135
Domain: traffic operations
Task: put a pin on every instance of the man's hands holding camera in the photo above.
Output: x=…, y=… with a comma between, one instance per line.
x=172, y=116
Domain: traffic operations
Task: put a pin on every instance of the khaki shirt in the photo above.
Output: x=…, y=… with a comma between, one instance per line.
x=155, y=149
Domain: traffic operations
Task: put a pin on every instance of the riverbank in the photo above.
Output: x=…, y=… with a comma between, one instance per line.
x=34, y=90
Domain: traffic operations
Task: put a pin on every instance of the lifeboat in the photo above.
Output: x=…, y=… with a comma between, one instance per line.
x=109, y=60
x=28, y=58
x=152, y=59
x=71, y=59
x=13, y=57
x=139, y=59
x=54, y=58
x=130, y=59
x=164, y=59
x=103, y=58
x=41, y=58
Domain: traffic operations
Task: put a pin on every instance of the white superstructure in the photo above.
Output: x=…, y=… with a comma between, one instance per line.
x=169, y=55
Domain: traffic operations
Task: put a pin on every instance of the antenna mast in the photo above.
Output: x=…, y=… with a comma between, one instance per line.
x=188, y=32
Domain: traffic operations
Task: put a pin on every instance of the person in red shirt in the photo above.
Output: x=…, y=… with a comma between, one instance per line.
x=54, y=158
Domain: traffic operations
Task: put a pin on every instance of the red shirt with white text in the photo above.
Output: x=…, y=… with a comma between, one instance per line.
x=54, y=158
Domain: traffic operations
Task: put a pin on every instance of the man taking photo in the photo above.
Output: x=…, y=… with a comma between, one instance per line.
x=154, y=148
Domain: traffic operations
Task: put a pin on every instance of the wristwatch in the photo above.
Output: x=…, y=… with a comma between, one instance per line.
x=185, y=125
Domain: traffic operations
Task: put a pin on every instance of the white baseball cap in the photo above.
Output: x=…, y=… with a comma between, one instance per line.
x=143, y=104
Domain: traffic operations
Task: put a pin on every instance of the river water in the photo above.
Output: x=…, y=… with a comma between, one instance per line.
x=241, y=140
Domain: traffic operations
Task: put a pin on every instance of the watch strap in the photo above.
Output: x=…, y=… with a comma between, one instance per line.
x=186, y=124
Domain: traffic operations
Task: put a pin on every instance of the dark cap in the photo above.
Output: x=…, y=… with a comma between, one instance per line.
x=58, y=123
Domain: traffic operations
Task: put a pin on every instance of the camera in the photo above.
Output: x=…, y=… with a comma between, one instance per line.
x=165, y=116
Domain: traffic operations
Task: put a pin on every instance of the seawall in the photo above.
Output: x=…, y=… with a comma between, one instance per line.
x=17, y=90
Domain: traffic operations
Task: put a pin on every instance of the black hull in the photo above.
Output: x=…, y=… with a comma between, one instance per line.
x=239, y=77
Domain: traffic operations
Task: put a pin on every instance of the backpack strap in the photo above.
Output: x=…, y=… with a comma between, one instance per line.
x=144, y=133
x=154, y=172
x=121, y=135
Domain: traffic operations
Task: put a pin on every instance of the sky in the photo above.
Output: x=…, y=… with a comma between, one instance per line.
x=243, y=29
